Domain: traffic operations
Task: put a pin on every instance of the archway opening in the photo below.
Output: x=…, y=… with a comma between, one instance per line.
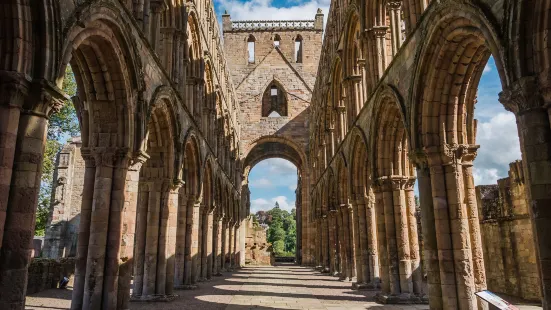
x=273, y=187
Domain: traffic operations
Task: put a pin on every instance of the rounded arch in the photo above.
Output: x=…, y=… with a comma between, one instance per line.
x=208, y=184
x=106, y=71
x=390, y=145
x=360, y=168
x=446, y=79
x=191, y=170
x=271, y=147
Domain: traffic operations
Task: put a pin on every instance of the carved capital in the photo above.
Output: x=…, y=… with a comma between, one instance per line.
x=14, y=87
x=458, y=153
x=44, y=99
x=379, y=31
x=394, y=5
x=419, y=158
x=137, y=161
x=523, y=95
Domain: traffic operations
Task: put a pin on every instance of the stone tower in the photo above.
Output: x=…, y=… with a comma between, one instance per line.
x=273, y=67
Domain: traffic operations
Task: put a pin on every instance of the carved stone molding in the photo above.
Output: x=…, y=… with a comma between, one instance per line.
x=523, y=95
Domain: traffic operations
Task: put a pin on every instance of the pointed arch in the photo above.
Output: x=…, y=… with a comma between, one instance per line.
x=275, y=100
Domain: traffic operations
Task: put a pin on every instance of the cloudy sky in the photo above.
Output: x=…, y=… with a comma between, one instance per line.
x=275, y=179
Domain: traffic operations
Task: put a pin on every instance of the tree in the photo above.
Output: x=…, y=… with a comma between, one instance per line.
x=62, y=125
x=282, y=230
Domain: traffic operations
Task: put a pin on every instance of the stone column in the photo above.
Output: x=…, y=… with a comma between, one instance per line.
x=325, y=244
x=231, y=245
x=242, y=234
x=372, y=248
x=204, y=243
x=530, y=103
x=157, y=8
x=332, y=222
x=452, y=227
x=350, y=234
x=474, y=226
x=84, y=229
x=123, y=220
x=218, y=245
x=395, y=12
x=415, y=259
x=13, y=90
x=379, y=35
x=192, y=243
x=381, y=236
x=23, y=140
x=181, y=245
x=209, y=243
x=224, y=244
x=360, y=241
x=341, y=272
x=398, y=240
x=429, y=231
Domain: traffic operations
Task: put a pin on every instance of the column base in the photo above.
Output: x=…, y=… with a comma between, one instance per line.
x=186, y=287
x=399, y=299
x=153, y=298
x=364, y=286
x=219, y=274
x=201, y=279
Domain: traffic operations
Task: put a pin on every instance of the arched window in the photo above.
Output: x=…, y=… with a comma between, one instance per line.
x=250, y=48
x=274, y=101
x=277, y=39
x=298, y=49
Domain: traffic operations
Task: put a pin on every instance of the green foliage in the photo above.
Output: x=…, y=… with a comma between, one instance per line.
x=62, y=125
x=282, y=233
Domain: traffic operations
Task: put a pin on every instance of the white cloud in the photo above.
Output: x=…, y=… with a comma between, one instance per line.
x=499, y=145
x=265, y=9
x=487, y=69
x=262, y=183
x=267, y=204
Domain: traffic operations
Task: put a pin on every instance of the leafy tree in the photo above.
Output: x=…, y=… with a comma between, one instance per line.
x=62, y=125
x=278, y=247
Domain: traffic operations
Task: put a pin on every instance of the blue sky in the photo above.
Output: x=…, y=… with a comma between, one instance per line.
x=275, y=179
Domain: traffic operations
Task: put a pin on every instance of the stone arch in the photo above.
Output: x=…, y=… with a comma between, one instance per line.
x=192, y=166
x=354, y=66
x=270, y=147
x=443, y=134
x=104, y=68
x=338, y=107
x=390, y=146
x=459, y=50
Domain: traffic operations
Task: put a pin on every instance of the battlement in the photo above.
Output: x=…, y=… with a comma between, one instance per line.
x=315, y=24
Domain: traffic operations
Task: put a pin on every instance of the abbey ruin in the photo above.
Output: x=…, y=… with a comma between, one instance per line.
x=175, y=108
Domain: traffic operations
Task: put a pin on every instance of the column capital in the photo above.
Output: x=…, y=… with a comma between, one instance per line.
x=44, y=99
x=378, y=31
x=394, y=5
x=14, y=87
x=137, y=160
x=523, y=95
x=459, y=153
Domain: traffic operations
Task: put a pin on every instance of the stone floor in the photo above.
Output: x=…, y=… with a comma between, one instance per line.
x=279, y=287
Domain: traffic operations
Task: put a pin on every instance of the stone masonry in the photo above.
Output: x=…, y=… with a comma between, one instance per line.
x=257, y=249
x=507, y=236
x=173, y=118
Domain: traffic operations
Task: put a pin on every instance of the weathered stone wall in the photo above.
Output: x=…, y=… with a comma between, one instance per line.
x=63, y=222
x=507, y=237
x=257, y=249
x=46, y=273
x=251, y=80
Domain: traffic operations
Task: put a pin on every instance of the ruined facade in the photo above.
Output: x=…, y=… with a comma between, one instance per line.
x=257, y=249
x=169, y=134
x=507, y=238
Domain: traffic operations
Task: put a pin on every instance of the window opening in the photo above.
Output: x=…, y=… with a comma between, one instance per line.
x=277, y=39
x=250, y=48
x=298, y=49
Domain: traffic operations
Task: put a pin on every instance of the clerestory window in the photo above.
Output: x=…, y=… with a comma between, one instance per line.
x=298, y=49
x=250, y=48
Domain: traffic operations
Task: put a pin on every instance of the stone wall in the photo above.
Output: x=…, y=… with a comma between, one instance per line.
x=257, y=249
x=507, y=237
x=63, y=222
x=46, y=273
